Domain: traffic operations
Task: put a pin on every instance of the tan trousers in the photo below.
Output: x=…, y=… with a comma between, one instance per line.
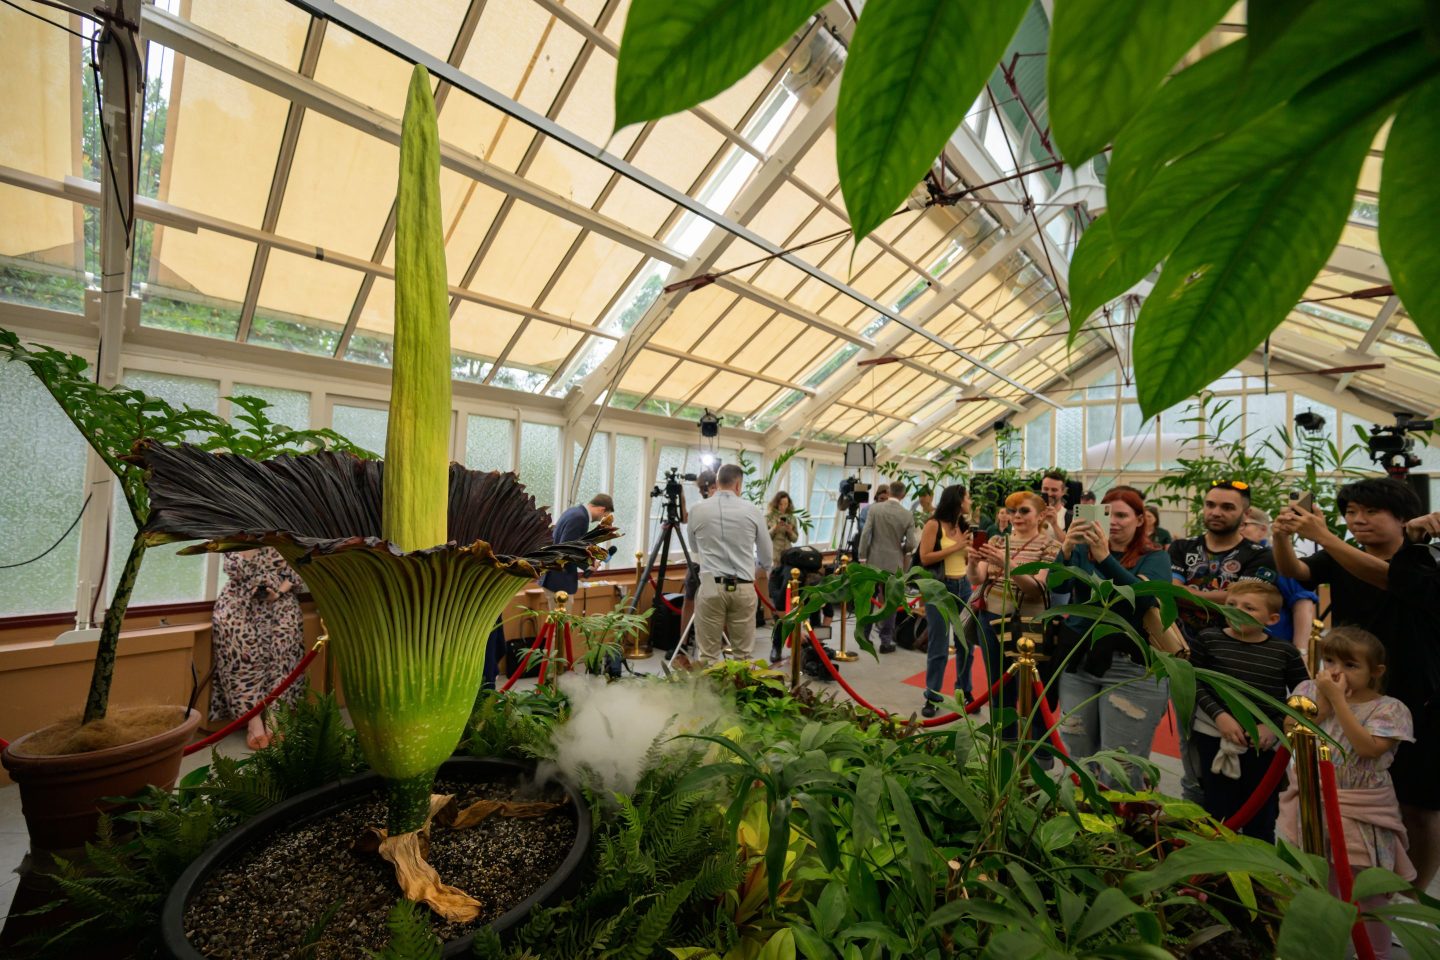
x=720, y=613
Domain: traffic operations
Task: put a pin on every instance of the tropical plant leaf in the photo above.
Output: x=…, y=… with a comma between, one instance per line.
x=914, y=69
x=1107, y=909
x=1409, y=201
x=1107, y=57
x=1213, y=859
x=1316, y=927
x=676, y=55
x=1236, y=275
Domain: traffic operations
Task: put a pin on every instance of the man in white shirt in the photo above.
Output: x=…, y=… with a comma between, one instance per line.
x=731, y=543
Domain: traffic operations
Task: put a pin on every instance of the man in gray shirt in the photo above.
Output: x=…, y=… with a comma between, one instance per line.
x=731, y=542
x=887, y=543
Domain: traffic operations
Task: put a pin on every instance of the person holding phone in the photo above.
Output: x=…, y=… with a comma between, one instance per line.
x=1108, y=540
x=945, y=551
x=1299, y=609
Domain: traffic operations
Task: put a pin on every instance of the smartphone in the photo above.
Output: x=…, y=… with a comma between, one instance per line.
x=978, y=538
x=1093, y=512
x=1302, y=500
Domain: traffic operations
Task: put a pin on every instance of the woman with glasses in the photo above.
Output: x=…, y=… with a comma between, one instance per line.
x=1003, y=594
x=945, y=552
x=1107, y=700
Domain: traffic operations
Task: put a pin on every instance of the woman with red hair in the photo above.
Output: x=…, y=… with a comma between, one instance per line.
x=1106, y=697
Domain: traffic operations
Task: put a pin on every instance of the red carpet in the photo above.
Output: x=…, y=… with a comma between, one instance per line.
x=1166, y=742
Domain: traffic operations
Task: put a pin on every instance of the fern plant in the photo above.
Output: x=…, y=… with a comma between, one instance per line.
x=410, y=935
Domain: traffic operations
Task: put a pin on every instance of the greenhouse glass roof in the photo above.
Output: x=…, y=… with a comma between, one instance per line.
x=267, y=170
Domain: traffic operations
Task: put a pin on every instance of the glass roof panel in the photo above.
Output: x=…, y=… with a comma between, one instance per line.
x=42, y=66
x=482, y=331
x=469, y=209
x=678, y=149
x=281, y=40
x=591, y=280
x=693, y=316
x=542, y=346
x=200, y=264
x=307, y=290
x=341, y=186
x=530, y=245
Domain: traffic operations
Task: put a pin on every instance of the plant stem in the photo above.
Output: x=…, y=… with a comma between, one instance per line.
x=409, y=802
x=99, y=698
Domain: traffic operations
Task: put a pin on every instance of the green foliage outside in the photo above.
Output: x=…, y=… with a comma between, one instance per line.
x=1236, y=174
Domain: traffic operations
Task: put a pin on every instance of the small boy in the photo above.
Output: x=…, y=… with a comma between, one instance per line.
x=1230, y=770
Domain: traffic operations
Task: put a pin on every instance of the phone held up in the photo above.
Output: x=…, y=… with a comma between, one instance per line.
x=1093, y=512
x=1302, y=500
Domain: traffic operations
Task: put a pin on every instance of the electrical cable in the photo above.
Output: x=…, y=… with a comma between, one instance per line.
x=68, y=530
x=42, y=19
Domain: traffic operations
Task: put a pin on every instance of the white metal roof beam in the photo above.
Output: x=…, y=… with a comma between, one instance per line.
x=760, y=189
x=1372, y=336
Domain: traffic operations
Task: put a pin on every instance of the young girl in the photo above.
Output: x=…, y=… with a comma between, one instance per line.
x=1368, y=726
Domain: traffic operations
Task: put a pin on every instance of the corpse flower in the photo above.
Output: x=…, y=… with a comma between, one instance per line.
x=411, y=560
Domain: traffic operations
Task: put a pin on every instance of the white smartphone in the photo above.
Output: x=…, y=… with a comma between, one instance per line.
x=1093, y=512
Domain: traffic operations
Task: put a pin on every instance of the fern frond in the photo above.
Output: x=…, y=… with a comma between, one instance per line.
x=410, y=934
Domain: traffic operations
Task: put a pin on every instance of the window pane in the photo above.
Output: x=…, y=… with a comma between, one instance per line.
x=42, y=480
x=165, y=576
x=364, y=426
x=1264, y=415
x=671, y=458
x=629, y=475
x=1069, y=438
x=290, y=407
x=488, y=443
x=539, y=456
x=1037, y=442
x=595, y=477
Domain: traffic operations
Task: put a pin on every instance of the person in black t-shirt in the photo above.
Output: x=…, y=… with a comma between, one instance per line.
x=1206, y=566
x=1392, y=590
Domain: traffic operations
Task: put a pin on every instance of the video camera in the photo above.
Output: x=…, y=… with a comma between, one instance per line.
x=1392, y=447
x=852, y=493
x=673, y=484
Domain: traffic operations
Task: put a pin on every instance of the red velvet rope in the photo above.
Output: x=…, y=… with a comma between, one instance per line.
x=549, y=652
x=4, y=744
x=244, y=718
x=1047, y=717
x=970, y=707
x=1341, y=856
x=1268, y=783
x=545, y=629
x=656, y=587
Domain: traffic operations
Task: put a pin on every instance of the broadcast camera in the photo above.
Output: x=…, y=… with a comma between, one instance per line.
x=852, y=493
x=673, y=487
x=1393, y=448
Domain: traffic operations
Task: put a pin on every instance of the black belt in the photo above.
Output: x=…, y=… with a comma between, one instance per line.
x=732, y=580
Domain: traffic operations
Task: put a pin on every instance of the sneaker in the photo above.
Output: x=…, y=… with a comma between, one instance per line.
x=929, y=710
x=887, y=648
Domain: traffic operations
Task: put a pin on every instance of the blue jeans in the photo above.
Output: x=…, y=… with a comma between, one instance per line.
x=941, y=638
x=1118, y=719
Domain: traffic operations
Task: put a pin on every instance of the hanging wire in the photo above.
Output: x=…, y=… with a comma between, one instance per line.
x=48, y=550
x=32, y=13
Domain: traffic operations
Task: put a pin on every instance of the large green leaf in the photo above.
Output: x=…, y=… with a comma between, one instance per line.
x=674, y=55
x=914, y=69
x=1325, y=110
x=1107, y=57
x=1233, y=86
x=1108, y=909
x=1316, y=927
x=1236, y=275
x=1211, y=859
x=1410, y=208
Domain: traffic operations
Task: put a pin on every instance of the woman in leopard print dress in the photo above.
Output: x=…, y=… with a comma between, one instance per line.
x=257, y=637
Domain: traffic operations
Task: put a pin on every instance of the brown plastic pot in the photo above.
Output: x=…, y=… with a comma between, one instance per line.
x=62, y=796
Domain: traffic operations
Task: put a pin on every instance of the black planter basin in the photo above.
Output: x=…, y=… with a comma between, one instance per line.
x=328, y=800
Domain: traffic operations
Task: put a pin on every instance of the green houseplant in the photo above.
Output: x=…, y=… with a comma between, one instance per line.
x=409, y=560
x=64, y=770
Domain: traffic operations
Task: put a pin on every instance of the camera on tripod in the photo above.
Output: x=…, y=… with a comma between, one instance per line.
x=852, y=493
x=673, y=484
x=1392, y=447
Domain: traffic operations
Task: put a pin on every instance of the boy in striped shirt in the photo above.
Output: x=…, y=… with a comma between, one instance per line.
x=1231, y=767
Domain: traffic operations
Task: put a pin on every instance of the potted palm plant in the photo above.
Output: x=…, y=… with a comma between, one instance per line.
x=64, y=769
x=409, y=560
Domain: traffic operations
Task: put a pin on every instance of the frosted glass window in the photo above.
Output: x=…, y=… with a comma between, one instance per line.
x=363, y=426
x=1264, y=416
x=1316, y=445
x=1099, y=425
x=626, y=489
x=671, y=458
x=595, y=478
x=1037, y=442
x=290, y=407
x=798, y=484
x=165, y=576
x=1070, y=438
x=823, y=493
x=488, y=442
x=539, y=462
x=42, y=486
x=984, y=460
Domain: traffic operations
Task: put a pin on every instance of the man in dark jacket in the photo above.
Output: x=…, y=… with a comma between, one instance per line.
x=572, y=525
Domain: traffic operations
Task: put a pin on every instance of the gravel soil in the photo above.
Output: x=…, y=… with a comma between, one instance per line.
x=269, y=901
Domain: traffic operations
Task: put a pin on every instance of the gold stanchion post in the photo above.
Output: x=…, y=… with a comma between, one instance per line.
x=796, y=654
x=1026, y=658
x=638, y=647
x=1312, y=652
x=1304, y=748
x=844, y=655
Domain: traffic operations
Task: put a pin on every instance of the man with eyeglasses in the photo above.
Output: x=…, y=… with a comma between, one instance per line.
x=1206, y=566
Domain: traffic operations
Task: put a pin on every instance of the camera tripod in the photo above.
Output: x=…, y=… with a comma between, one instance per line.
x=848, y=528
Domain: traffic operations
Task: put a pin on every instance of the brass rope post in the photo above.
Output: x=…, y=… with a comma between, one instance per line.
x=1026, y=658
x=638, y=646
x=796, y=651
x=844, y=655
x=1304, y=749
x=1312, y=652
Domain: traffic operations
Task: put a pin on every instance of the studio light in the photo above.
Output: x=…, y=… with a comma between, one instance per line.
x=709, y=425
x=1310, y=422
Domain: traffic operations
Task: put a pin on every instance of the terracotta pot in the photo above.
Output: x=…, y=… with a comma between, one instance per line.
x=61, y=796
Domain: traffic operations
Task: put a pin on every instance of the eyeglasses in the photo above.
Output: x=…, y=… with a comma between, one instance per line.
x=1229, y=485
x=1025, y=510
